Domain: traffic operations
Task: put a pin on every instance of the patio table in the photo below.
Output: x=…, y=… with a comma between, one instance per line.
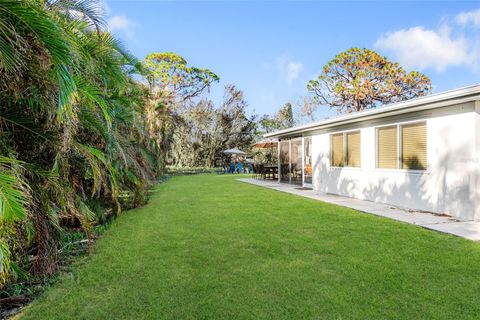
x=271, y=170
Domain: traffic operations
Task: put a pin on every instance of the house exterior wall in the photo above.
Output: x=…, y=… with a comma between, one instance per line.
x=450, y=184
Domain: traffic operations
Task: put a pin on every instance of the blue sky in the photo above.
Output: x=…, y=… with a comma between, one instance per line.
x=270, y=49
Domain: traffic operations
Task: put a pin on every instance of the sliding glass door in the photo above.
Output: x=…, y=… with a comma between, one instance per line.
x=290, y=158
x=296, y=161
x=307, y=162
x=284, y=161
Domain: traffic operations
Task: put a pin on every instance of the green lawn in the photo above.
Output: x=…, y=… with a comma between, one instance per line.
x=210, y=247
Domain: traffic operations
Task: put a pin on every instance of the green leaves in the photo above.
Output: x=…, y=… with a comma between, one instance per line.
x=18, y=19
x=14, y=194
x=14, y=201
x=72, y=112
x=169, y=72
x=5, y=261
x=90, y=11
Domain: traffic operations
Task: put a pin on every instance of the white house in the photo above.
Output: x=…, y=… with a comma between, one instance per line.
x=422, y=154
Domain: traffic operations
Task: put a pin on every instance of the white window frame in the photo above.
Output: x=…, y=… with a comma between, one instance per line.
x=398, y=126
x=344, y=137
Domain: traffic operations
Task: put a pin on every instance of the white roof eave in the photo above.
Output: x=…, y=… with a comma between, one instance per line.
x=470, y=93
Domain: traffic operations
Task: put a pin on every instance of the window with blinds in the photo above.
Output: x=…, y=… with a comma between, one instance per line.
x=414, y=146
x=387, y=147
x=337, y=158
x=345, y=149
x=353, y=149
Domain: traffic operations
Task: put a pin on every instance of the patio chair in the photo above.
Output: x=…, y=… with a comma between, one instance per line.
x=254, y=170
x=240, y=168
x=274, y=172
x=261, y=171
x=258, y=171
x=268, y=173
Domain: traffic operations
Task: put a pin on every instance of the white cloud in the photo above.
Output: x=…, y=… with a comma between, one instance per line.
x=422, y=48
x=293, y=71
x=122, y=24
x=289, y=68
x=468, y=18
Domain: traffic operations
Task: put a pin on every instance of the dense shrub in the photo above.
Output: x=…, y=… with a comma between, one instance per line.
x=73, y=132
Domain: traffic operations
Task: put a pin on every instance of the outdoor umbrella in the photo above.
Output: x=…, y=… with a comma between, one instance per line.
x=234, y=151
x=266, y=143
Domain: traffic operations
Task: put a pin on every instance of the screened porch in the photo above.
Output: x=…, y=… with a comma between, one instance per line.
x=295, y=161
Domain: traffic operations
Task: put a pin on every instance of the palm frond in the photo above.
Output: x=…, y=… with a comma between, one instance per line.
x=91, y=94
x=20, y=20
x=14, y=197
x=86, y=215
x=5, y=261
x=90, y=11
x=96, y=161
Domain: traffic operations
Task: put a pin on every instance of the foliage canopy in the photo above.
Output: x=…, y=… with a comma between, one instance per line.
x=359, y=79
x=169, y=72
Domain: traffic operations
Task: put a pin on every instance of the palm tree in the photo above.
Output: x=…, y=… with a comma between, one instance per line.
x=72, y=128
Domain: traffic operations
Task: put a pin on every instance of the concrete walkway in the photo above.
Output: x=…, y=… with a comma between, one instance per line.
x=465, y=229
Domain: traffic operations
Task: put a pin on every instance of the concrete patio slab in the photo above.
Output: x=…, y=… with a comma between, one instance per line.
x=465, y=229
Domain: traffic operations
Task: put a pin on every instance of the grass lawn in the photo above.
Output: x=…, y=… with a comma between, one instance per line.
x=210, y=247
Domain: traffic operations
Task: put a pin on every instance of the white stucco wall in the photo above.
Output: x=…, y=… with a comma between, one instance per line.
x=450, y=184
